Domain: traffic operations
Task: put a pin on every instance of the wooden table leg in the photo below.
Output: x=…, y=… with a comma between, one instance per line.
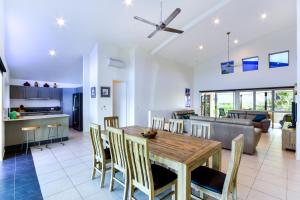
x=184, y=183
x=217, y=160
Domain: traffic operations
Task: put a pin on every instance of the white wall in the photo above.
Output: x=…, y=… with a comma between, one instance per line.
x=159, y=85
x=15, y=103
x=298, y=82
x=152, y=83
x=2, y=80
x=208, y=75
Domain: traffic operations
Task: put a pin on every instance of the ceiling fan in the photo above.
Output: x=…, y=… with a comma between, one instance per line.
x=163, y=25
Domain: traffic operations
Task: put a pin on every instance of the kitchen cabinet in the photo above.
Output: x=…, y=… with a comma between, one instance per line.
x=26, y=92
x=31, y=92
x=17, y=92
x=44, y=93
x=55, y=93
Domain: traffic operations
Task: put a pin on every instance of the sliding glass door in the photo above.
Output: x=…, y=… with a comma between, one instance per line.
x=246, y=100
x=225, y=102
x=263, y=101
x=208, y=106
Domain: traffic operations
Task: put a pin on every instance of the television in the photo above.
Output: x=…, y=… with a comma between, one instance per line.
x=227, y=67
x=294, y=115
x=279, y=59
x=250, y=64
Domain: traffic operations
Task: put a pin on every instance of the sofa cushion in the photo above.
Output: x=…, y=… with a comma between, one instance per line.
x=201, y=118
x=259, y=118
x=245, y=122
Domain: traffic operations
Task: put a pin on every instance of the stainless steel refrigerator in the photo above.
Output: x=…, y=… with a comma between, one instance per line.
x=77, y=112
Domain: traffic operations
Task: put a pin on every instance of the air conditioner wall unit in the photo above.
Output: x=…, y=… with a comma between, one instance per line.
x=114, y=62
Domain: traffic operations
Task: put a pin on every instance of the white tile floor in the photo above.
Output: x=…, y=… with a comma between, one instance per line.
x=64, y=171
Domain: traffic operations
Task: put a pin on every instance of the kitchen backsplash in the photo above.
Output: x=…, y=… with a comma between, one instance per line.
x=15, y=103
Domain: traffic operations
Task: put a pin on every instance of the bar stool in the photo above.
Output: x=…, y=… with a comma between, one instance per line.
x=27, y=130
x=52, y=135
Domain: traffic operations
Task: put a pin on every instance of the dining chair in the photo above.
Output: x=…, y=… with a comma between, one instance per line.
x=215, y=183
x=111, y=122
x=118, y=158
x=101, y=156
x=149, y=178
x=201, y=129
x=176, y=126
x=158, y=123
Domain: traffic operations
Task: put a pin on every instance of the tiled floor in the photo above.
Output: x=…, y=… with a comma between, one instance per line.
x=18, y=179
x=64, y=172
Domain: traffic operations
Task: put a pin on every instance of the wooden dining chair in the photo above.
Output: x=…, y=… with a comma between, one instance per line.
x=111, y=122
x=101, y=156
x=215, y=183
x=201, y=129
x=176, y=126
x=118, y=158
x=153, y=179
x=158, y=123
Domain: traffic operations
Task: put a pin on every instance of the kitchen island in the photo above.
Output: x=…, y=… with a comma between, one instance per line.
x=13, y=133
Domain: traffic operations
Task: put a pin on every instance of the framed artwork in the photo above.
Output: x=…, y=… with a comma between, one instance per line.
x=250, y=64
x=93, y=92
x=188, y=97
x=105, y=91
x=227, y=67
x=279, y=59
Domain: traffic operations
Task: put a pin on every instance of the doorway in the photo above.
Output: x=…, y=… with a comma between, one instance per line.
x=120, y=102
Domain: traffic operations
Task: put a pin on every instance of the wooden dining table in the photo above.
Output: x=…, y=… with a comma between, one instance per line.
x=181, y=153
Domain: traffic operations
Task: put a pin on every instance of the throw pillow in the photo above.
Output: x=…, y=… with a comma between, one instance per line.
x=259, y=118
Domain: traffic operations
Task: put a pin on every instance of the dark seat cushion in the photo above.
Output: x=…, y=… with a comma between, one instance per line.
x=162, y=176
x=259, y=118
x=209, y=179
x=107, y=154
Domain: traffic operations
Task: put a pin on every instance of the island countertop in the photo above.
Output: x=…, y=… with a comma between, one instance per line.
x=23, y=118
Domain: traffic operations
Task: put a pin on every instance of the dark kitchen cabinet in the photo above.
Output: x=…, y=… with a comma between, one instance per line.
x=17, y=92
x=44, y=93
x=26, y=92
x=31, y=92
x=55, y=93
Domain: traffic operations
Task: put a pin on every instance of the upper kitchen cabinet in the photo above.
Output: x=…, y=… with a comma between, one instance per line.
x=55, y=93
x=17, y=92
x=31, y=92
x=44, y=93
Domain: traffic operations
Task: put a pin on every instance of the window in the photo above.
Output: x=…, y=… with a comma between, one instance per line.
x=250, y=64
x=225, y=100
x=208, y=106
x=283, y=100
x=246, y=100
x=263, y=100
x=280, y=59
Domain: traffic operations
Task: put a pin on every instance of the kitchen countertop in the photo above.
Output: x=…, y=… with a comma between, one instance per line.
x=35, y=117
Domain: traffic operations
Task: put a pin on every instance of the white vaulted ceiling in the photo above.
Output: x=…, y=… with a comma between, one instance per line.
x=31, y=30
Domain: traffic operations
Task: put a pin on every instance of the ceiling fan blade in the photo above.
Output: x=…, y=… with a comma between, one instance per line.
x=153, y=33
x=173, y=30
x=145, y=21
x=172, y=16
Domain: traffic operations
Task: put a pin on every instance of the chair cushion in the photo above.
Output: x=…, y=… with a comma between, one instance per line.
x=107, y=154
x=162, y=176
x=259, y=118
x=209, y=179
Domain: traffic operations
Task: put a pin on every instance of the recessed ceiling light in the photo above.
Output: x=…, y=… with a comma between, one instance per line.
x=201, y=47
x=236, y=41
x=217, y=21
x=60, y=22
x=52, y=52
x=264, y=16
x=128, y=2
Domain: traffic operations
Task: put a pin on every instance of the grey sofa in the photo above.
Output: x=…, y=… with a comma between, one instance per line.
x=264, y=125
x=226, y=129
